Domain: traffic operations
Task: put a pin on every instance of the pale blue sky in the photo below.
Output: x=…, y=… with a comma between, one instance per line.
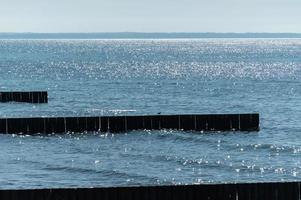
x=150, y=15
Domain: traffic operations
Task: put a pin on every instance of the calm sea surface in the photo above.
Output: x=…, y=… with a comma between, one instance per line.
x=131, y=77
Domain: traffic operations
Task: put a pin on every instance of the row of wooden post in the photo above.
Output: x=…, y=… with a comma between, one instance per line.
x=27, y=97
x=212, y=122
x=241, y=191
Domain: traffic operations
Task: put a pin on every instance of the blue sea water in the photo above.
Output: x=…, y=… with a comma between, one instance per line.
x=129, y=77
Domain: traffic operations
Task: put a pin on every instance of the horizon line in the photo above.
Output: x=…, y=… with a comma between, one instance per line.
x=147, y=32
x=144, y=35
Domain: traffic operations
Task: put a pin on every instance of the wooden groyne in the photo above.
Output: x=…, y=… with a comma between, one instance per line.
x=213, y=122
x=244, y=191
x=28, y=97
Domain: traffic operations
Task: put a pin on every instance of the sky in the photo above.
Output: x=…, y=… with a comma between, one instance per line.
x=150, y=16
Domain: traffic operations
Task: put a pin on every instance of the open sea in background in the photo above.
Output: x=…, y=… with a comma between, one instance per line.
x=171, y=76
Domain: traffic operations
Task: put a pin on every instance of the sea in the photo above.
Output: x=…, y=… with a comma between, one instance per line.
x=101, y=77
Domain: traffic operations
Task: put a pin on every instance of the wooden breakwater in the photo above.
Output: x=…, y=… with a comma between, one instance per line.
x=27, y=97
x=242, y=191
x=212, y=122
